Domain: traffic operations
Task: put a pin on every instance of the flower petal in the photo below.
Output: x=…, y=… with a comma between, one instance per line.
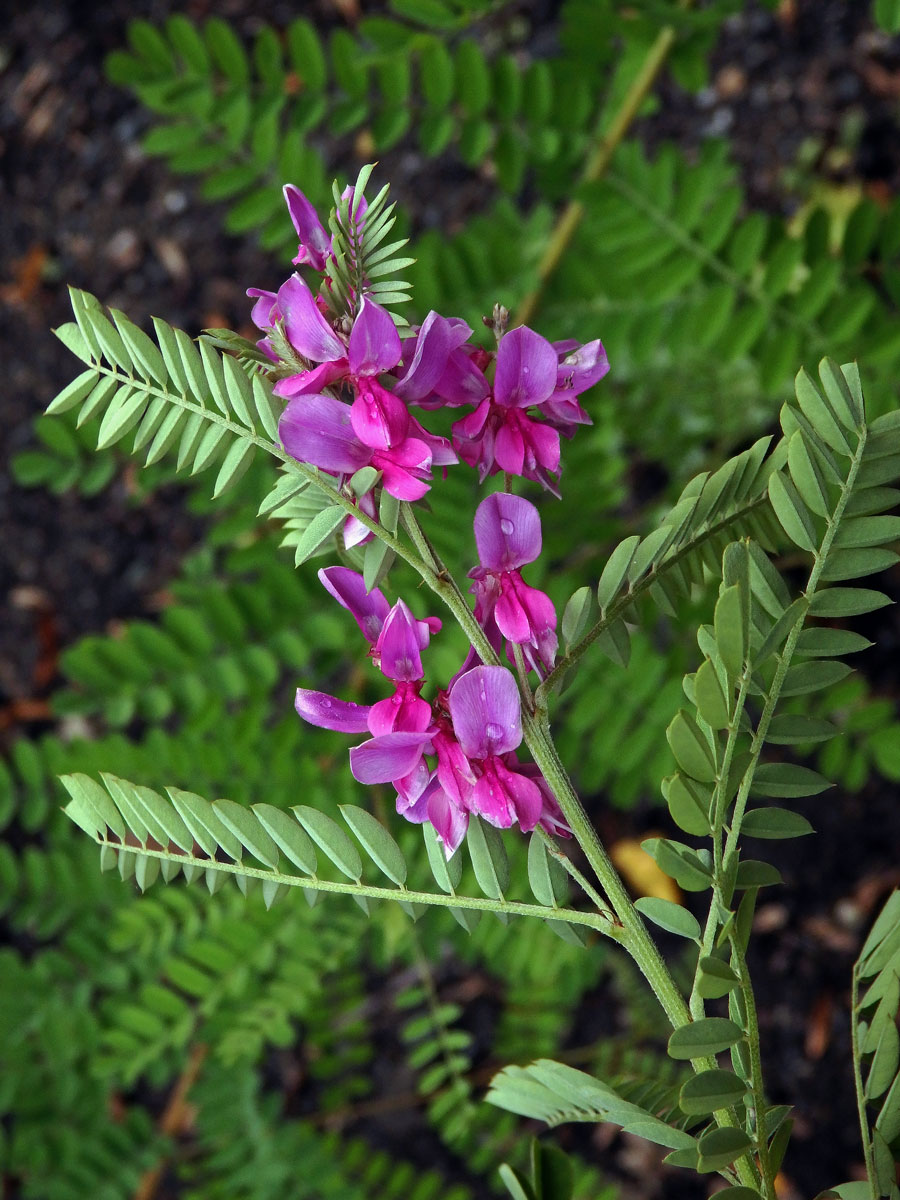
x=462, y=381
x=581, y=367
x=450, y=823
x=327, y=712
x=509, y=448
x=317, y=430
x=523, y=613
x=380, y=419
x=306, y=329
x=369, y=609
x=526, y=369
x=305, y=383
x=524, y=794
x=486, y=712
x=315, y=244
x=261, y=313
x=386, y=758
x=374, y=340
x=436, y=339
x=404, y=712
x=405, y=469
x=492, y=801
x=399, y=645
x=507, y=532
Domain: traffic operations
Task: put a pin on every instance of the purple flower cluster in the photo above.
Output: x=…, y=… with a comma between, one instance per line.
x=350, y=381
x=456, y=756
x=349, y=403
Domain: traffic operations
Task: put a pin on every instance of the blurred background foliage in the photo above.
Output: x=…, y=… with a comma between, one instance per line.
x=165, y=1046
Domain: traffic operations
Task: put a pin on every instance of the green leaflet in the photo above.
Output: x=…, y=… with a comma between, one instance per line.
x=669, y=916
x=691, y=748
x=377, y=842
x=710, y=1091
x=489, y=857
x=331, y=839
x=704, y=1037
x=288, y=835
x=554, y=1093
x=774, y=823
x=546, y=876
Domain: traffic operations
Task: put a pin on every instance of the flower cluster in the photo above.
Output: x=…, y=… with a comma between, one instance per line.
x=445, y=760
x=350, y=380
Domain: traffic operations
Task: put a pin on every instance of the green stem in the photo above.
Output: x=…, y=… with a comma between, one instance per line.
x=858, y=1085
x=756, y=1074
x=634, y=936
x=586, y=886
x=597, y=164
x=697, y=1007
x=399, y=894
x=787, y=654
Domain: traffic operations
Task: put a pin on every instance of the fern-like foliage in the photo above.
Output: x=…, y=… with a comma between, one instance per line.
x=876, y=1046
x=248, y=121
x=148, y=837
x=267, y=1167
x=554, y=1093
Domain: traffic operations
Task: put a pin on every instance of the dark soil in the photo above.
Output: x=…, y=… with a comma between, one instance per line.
x=813, y=90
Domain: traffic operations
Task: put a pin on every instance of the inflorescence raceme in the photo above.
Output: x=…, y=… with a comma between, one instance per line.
x=350, y=377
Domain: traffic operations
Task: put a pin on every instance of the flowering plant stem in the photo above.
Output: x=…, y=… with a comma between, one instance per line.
x=597, y=164
x=625, y=924
x=858, y=1083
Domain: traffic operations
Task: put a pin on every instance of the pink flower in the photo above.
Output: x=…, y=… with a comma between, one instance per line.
x=319, y=430
x=487, y=721
x=499, y=435
x=508, y=536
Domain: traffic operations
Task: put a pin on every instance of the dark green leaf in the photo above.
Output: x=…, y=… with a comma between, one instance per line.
x=719, y=1147
x=691, y=748
x=669, y=916
x=688, y=803
x=774, y=823
x=752, y=873
x=806, y=677
x=700, y=1039
x=710, y=1091
x=680, y=862
x=847, y=602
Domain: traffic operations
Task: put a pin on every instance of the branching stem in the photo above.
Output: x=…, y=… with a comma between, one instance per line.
x=607, y=142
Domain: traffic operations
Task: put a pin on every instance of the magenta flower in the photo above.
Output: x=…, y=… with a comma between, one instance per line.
x=446, y=799
x=400, y=725
x=368, y=608
x=315, y=243
x=579, y=368
x=377, y=428
x=508, y=537
x=319, y=430
x=486, y=714
x=499, y=435
x=437, y=370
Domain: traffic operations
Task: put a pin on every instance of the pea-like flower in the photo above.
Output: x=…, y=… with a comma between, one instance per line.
x=487, y=720
x=508, y=537
x=500, y=435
